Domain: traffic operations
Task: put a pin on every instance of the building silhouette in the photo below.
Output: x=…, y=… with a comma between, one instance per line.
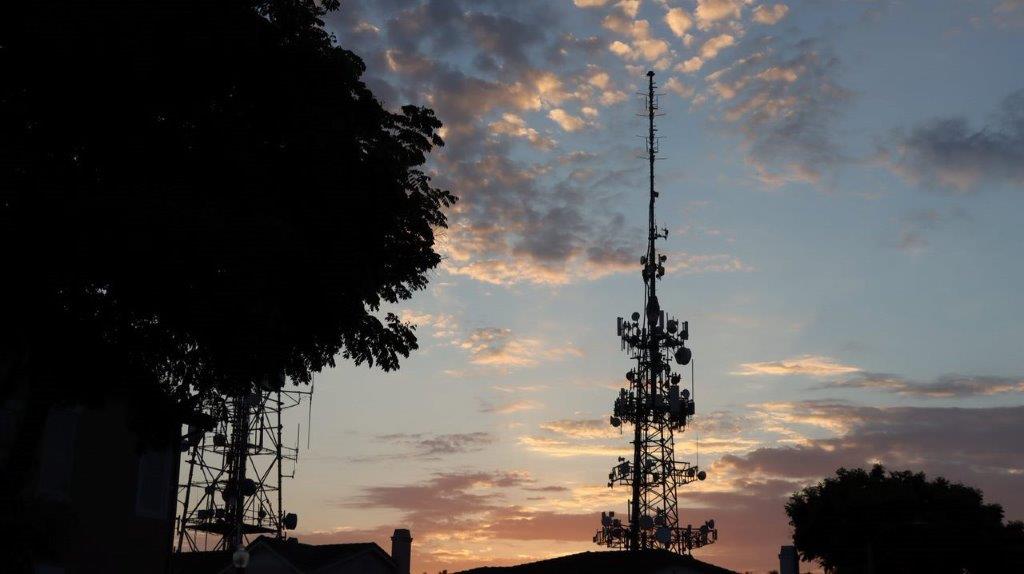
x=105, y=504
x=614, y=562
x=270, y=555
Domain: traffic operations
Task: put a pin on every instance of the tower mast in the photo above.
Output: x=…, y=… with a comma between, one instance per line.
x=655, y=406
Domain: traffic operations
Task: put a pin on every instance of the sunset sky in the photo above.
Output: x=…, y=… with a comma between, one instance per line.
x=843, y=183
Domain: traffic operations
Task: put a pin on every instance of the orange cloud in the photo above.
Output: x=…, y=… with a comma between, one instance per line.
x=709, y=12
x=515, y=126
x=582, y=428
x=713, y=46
x=566, y=121
x=511, y=407
x=679, y=21
x=770, y=15
x=497, y=347
x=808, y=365
x=563, y=448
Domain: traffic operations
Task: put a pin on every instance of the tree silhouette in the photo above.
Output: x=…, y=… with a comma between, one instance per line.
x=208, y=188
x=193, y=195
x=875, y=522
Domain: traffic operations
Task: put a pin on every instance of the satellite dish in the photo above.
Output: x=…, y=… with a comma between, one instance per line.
x=646, y=522
x=685, y=393
x=683, y=356
x=711, y=524
x=673, y=326
x=702, y=475
x=635, y=316
x=616, y=422
x=290, y=521
x=664, y=535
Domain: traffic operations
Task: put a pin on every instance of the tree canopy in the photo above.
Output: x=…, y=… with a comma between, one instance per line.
x=204, y=193
x=876, y=521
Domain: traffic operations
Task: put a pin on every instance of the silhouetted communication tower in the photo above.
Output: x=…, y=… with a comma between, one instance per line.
x=656, y=405
x=235, y=470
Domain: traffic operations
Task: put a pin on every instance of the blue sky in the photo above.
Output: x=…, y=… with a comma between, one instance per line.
x=843, y=184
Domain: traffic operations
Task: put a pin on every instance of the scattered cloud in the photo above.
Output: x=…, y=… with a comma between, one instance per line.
x=643, y=46
x=445, y=494
x=566, y=121
x=977, y=445
x=582, y=428
x=492, y=71
x=709, y=12
x=510, y=407
x=513, y=125
x=629, y=7
x=680, y=89
x=620, y=48
x=543, y=525
x=769, y=15
x=679, y=21
x=519, y=389
x=785, y=99
x=712, y=446
x=600, y=79
x=943, y=387
x=1008, y=6
x=949, y=154
x=497, y=347
x=489, y=70
x=691, y=65
x=807, y=365
x=916, y=225
x=714, y=45
x=566, y=448
x=613, y=97
x=577, y=437
x=442, y=325
x=423, y=445
x=367, y=27
x=785, y=418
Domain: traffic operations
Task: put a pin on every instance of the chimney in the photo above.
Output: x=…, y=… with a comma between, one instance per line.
x=401, y=549
x=789, y=562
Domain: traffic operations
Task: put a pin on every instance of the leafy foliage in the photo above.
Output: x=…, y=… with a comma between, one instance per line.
x=205, y=191
x=874, y=521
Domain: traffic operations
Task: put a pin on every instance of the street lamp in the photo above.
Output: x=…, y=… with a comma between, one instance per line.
x=240, y=559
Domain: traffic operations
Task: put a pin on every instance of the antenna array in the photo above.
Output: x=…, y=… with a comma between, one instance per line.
x=233, y=490
x=656, y=405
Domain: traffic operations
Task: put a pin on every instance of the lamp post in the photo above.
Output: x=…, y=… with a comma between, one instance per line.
x=240, y=559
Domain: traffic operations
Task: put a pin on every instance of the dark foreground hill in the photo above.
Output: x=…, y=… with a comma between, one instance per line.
x=647, y=562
